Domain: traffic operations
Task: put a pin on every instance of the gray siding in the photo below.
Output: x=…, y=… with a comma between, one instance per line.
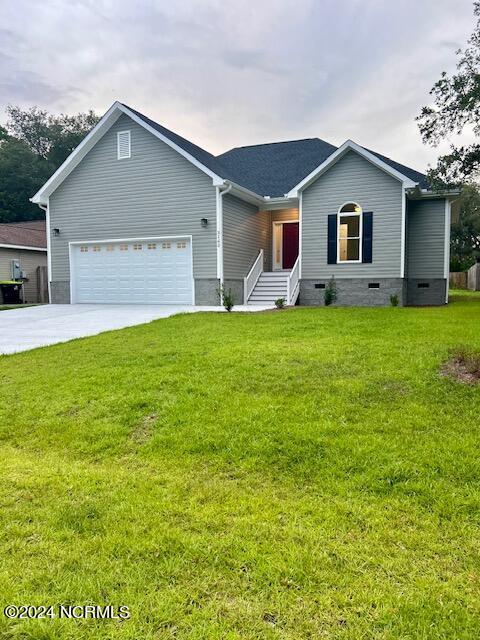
x=156, y=192
x=426, y=239
x=246, y=230
x=353, y=179
x=29, y=261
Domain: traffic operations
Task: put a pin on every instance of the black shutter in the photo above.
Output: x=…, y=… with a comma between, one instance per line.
x=332, y=239
x=367, y=236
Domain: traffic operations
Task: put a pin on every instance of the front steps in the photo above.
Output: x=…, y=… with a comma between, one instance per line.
x=270, y=286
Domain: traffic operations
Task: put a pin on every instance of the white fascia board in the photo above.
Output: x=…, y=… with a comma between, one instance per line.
x=349, y=145
x=217, y=180
x=77, y=154
x=243, y=193
x=264, y=203
x=272, y=204
x=448, y=193
x=92, y=138
x=22, y=247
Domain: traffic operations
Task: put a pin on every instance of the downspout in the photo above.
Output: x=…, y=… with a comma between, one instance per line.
x=220, y=193
x=446, y=257
x=49, y=264
x=403, y=236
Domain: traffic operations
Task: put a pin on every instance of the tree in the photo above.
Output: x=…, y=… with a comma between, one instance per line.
x=456, y=106
x=22, y=173
x=465, y=238
x=33, y=145
x=48, y=136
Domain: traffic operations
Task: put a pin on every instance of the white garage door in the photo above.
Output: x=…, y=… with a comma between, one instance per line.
x=135, y=272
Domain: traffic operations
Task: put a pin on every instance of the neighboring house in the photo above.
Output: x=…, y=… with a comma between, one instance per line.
x=23, y=251
x=138, y=214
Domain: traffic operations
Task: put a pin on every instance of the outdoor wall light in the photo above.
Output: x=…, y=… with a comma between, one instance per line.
x=204, y=222
x=56, y=231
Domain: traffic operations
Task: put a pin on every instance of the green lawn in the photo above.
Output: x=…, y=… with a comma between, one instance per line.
x=6, y=307
x=291, y=475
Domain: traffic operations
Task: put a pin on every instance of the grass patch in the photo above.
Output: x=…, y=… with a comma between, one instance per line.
x=463, y=365
x=292, y=475
x=144, y=430
x=7, y=307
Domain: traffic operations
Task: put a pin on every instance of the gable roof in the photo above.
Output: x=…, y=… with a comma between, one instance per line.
x=187, y=149
x=275, y=169
x=267, y=170
x=29, y=234
x=414, y=175
x=204, y=157
x=347, y=146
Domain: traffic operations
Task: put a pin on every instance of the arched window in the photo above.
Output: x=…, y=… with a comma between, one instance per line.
x=349, y=235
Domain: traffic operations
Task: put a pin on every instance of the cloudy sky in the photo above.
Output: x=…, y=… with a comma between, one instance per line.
x=225, y=73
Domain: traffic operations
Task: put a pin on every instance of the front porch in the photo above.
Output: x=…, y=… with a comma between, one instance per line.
x=275, y=272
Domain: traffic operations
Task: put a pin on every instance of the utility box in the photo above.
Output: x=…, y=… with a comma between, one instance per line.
x=15, y=270
x=11, y=292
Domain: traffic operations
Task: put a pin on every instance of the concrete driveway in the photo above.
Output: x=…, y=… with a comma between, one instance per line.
x=32, y=327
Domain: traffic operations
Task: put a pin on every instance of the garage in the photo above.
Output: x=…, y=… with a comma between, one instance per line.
x=138, y=271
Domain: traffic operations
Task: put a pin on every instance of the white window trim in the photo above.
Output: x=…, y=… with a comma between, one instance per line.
x=121, y=133
x=360, y=238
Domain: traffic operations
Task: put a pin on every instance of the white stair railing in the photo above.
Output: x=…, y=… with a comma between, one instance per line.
x=293, y=283
x=251, y=279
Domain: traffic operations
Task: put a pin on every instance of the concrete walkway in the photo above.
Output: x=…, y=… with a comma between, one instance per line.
x=32, y=327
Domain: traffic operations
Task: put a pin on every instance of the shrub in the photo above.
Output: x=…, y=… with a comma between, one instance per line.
x=280, y=303
x=226, y=297
x=394, y=300
x=330, y=292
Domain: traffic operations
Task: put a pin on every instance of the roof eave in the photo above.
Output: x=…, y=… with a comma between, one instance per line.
x=349, y=145
x=110, y=117
x=418, y=192
x=6, y=245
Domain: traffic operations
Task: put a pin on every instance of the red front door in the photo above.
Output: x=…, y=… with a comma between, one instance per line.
x=289, y=244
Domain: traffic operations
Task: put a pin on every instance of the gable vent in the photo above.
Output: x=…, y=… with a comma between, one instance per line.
x=123, y=145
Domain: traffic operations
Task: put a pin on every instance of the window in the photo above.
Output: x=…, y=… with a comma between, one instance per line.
x=83, y=249
x=137, y=247
x=166, y=245
x=152, y=245
x=350, y=233
x=181, y=245
x=123, y=145
x=124, y=247
x=374, y=285
x=97, y=248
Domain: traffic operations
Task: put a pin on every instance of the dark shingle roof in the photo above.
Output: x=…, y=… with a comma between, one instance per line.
x=30, y=233
x=271, y=169
x=274, y=169
x=416, y=176
x=204, y=157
